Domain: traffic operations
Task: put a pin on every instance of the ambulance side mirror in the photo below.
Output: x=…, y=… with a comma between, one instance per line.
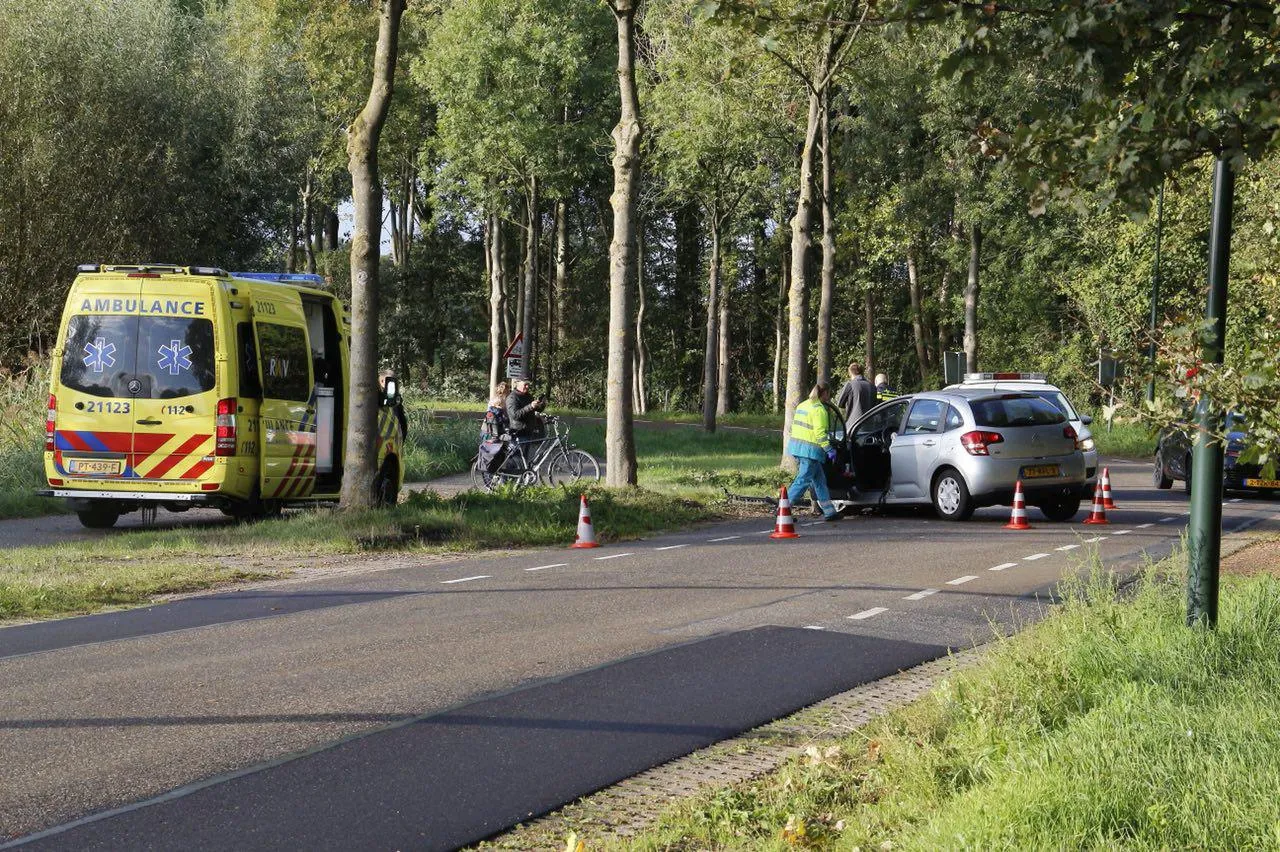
x=391, y=391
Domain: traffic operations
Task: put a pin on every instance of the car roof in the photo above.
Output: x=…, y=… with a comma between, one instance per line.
x=1007, y=384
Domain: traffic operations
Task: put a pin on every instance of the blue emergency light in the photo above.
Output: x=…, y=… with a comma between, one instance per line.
x=309, y=278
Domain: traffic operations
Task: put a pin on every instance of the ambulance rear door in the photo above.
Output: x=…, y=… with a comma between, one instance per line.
x=287, y=418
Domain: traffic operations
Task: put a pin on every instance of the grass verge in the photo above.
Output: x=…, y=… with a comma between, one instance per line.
x=1125, y=440
x=681, y=482
x=1108, y=725
x=23, y=398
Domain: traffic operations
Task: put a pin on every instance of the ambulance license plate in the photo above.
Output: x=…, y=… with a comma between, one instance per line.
x=1039, y=470
x=95, y=467
x=1262, y=483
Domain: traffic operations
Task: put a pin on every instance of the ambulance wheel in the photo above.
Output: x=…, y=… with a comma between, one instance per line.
x=99, y=517
x=385, y=490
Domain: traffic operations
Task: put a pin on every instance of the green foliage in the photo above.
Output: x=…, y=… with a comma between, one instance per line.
x=1107, y=725
x=23, y=398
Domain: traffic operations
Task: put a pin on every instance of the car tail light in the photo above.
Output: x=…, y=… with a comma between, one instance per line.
x=1069, y=431
x=976, y=442
x=50, y=421
x=225, y=432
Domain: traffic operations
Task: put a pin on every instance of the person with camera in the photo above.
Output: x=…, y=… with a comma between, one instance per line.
x=522, y=411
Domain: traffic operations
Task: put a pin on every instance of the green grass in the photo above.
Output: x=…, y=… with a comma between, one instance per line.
x=23, y=401
x=755, y=420
x=1109, y=725
x=1128, y=440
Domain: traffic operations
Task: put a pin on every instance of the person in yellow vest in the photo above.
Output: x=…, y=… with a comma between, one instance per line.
x=810, y=444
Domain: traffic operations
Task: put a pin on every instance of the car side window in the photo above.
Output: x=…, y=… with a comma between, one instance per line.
x=925, y=417
x=886, y=419
x=954, y=418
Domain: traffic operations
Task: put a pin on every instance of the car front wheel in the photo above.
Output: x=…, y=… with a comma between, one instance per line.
x=951, y=498
x=1159, y=477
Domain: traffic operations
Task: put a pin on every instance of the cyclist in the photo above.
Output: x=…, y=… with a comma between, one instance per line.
x=523, y=410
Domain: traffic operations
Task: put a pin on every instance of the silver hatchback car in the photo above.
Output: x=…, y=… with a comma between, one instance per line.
x=960, y=449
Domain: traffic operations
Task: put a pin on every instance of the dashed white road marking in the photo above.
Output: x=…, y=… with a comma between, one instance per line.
x=1033, y=557
x=726, y=538
x=1235, y=500
x=814, y=627
x=921, y=595
x=1168, y=519
x=1122, y=532
x=545, y=567
x=1095, y=539
x=1002, y=566
x=867, y=613
x=671, y=547
x=1066, y=547
x=763, y=532
x=614, y=556
x=466, y=579
x=958, y=580
x=1144, y=526
x=812, y=523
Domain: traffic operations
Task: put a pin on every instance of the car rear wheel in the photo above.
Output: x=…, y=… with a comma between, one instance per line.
x=951, y=498
x=1159, y=477
x=98, y=517
x=1063, y=509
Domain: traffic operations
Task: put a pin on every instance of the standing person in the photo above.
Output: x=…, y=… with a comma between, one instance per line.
x=522, y=411
x=810, y=444
x=883, y=391
x=858, y=396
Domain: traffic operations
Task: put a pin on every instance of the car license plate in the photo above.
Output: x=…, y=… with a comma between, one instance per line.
x=1039, y=470
x=95, y=467
x=1262, y=483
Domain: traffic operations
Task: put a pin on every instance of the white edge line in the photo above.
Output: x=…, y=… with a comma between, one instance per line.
x=544, y=567
x=726, y=538
x=812, y=524
x=466, y=579
x=920, y=595
x=867, y=613
x=613, y=556
x=814, y=627
x=1095, y=539
x=1002, y=566
x=1033, y=557
x=671, y=547
x=1144, y=526
x=1122, y=532
x=1168, y=519
x=1236, y=500
x=958, y=580
x=1066, y=547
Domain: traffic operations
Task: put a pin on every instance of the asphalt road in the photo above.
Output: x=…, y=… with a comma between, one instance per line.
x=426, y=706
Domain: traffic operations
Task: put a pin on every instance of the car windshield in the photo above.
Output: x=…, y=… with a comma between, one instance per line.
x=1029, y=410
x=149, y=357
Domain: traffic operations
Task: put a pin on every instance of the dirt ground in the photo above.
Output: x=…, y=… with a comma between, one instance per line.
x=1262, y=557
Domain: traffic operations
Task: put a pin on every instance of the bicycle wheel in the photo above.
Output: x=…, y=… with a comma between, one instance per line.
x=571, y=466
x=480, y=476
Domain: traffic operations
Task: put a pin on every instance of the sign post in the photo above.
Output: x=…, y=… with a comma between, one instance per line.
x=514, y=356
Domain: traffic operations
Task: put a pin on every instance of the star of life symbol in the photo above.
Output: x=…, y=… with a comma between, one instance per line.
x=175, y=357
x=99, y=354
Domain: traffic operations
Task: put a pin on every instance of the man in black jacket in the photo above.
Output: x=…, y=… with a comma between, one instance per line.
x=522, y=412
x=858, y=396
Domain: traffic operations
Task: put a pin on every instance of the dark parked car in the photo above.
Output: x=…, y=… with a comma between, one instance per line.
x=1173, y=462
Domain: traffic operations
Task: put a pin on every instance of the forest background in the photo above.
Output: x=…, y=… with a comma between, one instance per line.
x=212, y=132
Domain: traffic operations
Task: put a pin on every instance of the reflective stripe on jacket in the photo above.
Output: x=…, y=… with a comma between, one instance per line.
x=810, y=436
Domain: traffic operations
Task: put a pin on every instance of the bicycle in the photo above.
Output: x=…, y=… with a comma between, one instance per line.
x=550, y=461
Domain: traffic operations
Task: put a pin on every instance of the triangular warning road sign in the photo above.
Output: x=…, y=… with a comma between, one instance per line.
x=516, y=349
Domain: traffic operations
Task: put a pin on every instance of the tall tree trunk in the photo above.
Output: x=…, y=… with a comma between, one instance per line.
x=869, y=330
x=722, y=346
x=495, y=299
x=710, y=352
x=944, y=323
x=917, y=317
x=686, y=296
x=562, y=269
x=779, y=336
x=291, y=258
x=506, y=279
x=801, y=240
x=529, y=320
x=361, y=456
x=828, y=250
x=330, y=230
x=620, y=444
x=642, y=350
x=308, y=221
x=971, y=290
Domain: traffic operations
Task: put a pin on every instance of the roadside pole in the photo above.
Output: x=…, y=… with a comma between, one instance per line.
x=1155, y=300
x=1204, y=531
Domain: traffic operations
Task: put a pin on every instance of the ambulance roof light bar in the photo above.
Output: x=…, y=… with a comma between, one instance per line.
x=1004, y=377
x=306, y=279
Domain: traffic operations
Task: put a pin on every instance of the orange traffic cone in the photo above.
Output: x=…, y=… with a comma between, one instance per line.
x=786, y=525
x=1018, y=520
x=1107, y=502
x=586, y=533
x=1099, y=513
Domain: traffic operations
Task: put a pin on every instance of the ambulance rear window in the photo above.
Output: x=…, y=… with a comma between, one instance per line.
x=147, y=357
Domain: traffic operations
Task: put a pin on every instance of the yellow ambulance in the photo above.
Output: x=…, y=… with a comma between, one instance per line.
x=177, y=387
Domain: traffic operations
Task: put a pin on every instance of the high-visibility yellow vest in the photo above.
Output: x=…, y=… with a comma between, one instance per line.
x=810, y=425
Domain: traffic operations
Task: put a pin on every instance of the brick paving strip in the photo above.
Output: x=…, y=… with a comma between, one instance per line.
x=629, y=806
